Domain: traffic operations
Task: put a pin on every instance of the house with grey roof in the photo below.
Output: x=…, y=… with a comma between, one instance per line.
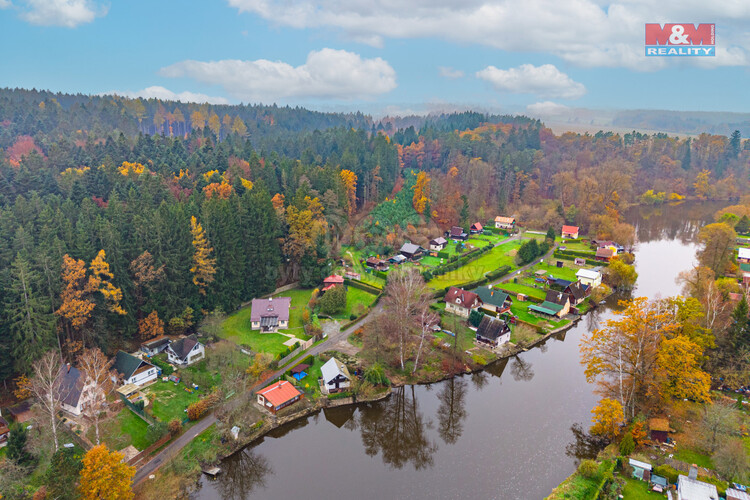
x=493, y=331
x=73, y=389
x=335, y=376
x=412, y=251
x=134, y=370
x=271, y=314
x=156, y=345
x=186, y=351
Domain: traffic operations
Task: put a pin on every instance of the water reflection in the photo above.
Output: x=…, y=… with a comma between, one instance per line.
x=246, y=472
x=521, y=370
x=341, y=417
x=584, y=445
x=452, y=410
x=397, y=429
x=479, y=380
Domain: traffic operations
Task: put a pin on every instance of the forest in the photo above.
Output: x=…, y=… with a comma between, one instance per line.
x=123, y=217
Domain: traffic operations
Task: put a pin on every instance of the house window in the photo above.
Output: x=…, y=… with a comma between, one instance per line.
x=151, y=372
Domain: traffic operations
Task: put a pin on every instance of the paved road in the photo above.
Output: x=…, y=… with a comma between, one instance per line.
x=173, y=448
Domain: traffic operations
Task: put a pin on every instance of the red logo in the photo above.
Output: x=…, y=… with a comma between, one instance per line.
x=680, y=34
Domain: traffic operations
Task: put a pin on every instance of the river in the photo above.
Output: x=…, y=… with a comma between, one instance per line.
x=507, y=433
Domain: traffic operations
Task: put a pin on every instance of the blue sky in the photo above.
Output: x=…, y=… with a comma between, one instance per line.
x=375, y=55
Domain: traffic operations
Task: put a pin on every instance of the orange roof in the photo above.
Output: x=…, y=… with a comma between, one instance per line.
x=279, y=393
x=506, y=220
x=659, y=424
x=570, y=229
x=334, y=278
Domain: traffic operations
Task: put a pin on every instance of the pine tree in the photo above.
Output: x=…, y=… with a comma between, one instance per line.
x=17, y=451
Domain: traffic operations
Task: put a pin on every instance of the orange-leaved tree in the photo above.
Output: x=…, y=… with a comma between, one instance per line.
x=77, y=305
x=104, y=475
x=421, y=192
x=607, y=419
x=151, y=326
x=204, y=266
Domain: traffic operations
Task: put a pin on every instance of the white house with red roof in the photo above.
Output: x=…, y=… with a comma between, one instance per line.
x=461, y=302
x=332, y=281
x=271, y=314
x=278, y=395
x=570, y=232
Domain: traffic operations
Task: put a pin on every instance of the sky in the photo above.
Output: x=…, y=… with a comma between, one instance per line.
x=378, y=56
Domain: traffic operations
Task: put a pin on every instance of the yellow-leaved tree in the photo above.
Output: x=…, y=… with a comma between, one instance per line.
x=421, y=192
x=101, y=278
x=679, y=371
x=349, y=180
x=607, y=419
x=104, y=475
x=151, y=326
x=204, y=266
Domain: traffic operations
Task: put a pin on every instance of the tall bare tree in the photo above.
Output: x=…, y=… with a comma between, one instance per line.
x=47, y=388
x=97, y=383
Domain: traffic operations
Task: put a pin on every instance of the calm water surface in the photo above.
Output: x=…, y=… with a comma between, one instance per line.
x=508, y=433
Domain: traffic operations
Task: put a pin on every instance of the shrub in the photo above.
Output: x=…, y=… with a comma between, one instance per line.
x=156, y=431
x=589, y=469
x=175, y=427
x=479, y=359
x=667, y=471
x=627, y=445
x=475, y=317
x=375, y=374
x=166, y=368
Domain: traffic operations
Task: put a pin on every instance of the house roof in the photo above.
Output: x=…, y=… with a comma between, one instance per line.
x=127, y=364
x=334, y=279
x=477, y=226
x=734, y=494
x=375, y=261
x=279, y=393
x=505, y=220
x=658, y=424
x=577, y=290
x=274, y=306
x=546, y=308
x=439, y=241
x=332, y=369
x=662, y=481
x=559, y=298
x=696, y=490
x=491, y=296
x=157, y=342
x=491, y=328
x=397, y=258
x=605, y=252
x=71, y=384
x=182, y=347
x=300, y=368
x=639, y=464
x=457, y=231
x=570, y=229
x=21, y=412
x=562, y=283
x=462, y=298
x=745, y=267
x=589, y=274
x=743, y=253
x=410, y=248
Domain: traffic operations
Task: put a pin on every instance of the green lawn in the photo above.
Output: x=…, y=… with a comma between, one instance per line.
x=237, y=326
x=310, y=382
x=520, y=310
x=638, y=490
x=168, y=401
x=578, y=246
x=693, y=457
x=357, y=302
x=121, y=431
x=516, y=288
x=567, y=273
x=492, y=238
x=497, y=257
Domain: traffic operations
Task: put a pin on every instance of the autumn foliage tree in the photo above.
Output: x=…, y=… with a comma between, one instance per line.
x=204, y=266
x=102, y=278
x=77, y=305
x=717, y=250
x=151, y=326
x=105, y=475
x=607, y=419
x=421, y=196
x=349, y=180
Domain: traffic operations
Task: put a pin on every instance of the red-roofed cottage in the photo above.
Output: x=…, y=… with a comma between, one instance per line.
x=570, y=232
x=278, y=395
x=461, y=302
x=332, y=281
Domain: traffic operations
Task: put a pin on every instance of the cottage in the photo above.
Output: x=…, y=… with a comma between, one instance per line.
x=743, y=255
x=493, y=300
x=377, y=264
x=493, y=331
x=555, y=304
x=270, y=315
x=660, y=484
x=689, y=488
x=134, y=370
x=73, y=390
x=641, y=470
x=589, y=277
x=4, y=431
x=558, y=283
x=335, y=376
x=745, y=272
x=332, y=281
x=570, y=232
x=21, y=412
x=278, y=395
x=186, y=351
x=605, y=254
x=155, y=346
x=735, y=494
x=412, y=251
x=438, y=244
x=507, y=223
x=476, y=228
x=457, y=233
x=461, y=302
x=659, y=428
x=397, y=259
x=577, y=292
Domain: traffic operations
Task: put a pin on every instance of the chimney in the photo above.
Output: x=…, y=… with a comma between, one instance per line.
x=693, y=474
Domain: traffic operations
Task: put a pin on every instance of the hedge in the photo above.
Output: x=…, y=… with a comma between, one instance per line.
x=499, y=272
x=443, y=255
x=166, y=368
x=363, y=286
x=564, y=255
x=576, y=253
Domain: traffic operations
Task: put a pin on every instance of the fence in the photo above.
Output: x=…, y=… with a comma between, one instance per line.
x=138, y=411
x=149, y=450
x=303, y=346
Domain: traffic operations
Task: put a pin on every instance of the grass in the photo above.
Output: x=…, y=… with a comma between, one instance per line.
x=502, y=255
x=638, y=490
x=357, y=302
x=237, y=326
x=693, y=457
x=121, y=431
x=311, y=380
x=169, y=400
x=520, y=310
x=568, y=272
x=517, y=288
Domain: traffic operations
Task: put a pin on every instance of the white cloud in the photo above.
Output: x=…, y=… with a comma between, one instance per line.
x=545, y=80
x=67, y=13
x=583, y=32
x=448, y=72
x=4, y=4
x=327, y=73
x=547, y=108
x=157, y=92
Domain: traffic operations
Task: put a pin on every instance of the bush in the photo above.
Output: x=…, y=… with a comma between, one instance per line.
x=627, y=445
x=166, y=368
x=667, y=471
x=475, y=317
x=375, y=374
x=196, y=410
x=589, y=469
x=333, y=301
x=497, y=273
x=156, y=431
x=175, y=427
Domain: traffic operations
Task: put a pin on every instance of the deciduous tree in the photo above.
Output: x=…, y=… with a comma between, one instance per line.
x=607, y=419
x=349, y=180
x=718, y=242
x=47, y=387
x=96, y=369
x=204, y=266
x=105, y=475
